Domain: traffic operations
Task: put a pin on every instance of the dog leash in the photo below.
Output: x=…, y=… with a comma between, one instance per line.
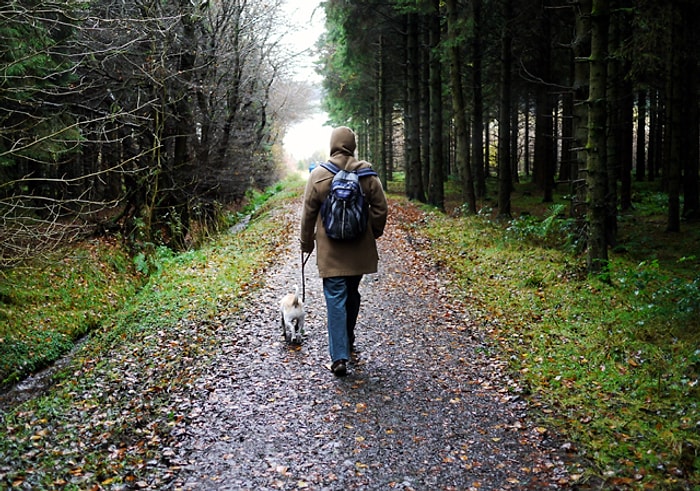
x=303, y=279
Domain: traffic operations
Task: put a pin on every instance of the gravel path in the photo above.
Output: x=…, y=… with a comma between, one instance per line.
x=425, y=406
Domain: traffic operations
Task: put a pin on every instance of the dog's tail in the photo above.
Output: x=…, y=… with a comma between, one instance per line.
x=297, y=300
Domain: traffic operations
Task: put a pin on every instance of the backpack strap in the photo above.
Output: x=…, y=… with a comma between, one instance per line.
x=367, y=171
x=330, y=167
x=333, y=169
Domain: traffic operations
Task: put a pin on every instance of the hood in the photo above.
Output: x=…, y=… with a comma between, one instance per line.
x=343, y=145
x=343, y=141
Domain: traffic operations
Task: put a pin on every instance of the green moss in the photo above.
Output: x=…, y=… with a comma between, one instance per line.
x=614, y=366
x=50, y=303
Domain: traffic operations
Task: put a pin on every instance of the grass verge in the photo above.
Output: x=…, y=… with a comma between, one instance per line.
x=47, y=305
x=108, y=421
x=615, y=366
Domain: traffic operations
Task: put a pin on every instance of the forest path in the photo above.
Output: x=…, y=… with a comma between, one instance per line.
x=425, y=404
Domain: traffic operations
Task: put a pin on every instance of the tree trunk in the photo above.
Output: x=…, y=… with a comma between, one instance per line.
x=613, y=158
x=691, y=169
x=477, y=105
x=526, y=141
x=543, y=166
x=459, y=109
x=436, y=193
x=424, y=88
x=544, y=150
x=627, y=146
x=414, y=180
x=582, y=50
x=505, y=184
x=655, y=135
x=640, y=170
x=566, y=166
x=597, y=146
x=514, y=133
x=382, y=119
x=389, y=142
x=674, y=138
x=487, y=146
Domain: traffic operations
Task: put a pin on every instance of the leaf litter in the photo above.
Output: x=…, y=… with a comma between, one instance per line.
x=425, y=405
x=225, y=403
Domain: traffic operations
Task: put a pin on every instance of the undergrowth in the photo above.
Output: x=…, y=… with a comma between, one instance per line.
x=47, y=305
x=200, y=282
x=107, y=419
x=615, y=366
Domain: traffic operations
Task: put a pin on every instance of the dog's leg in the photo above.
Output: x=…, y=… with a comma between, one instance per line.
x=297, y=330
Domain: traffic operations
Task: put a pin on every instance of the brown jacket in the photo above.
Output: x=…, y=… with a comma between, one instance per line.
x=340, y=258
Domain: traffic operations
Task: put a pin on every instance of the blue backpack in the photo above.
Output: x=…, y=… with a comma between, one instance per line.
x=345, y=212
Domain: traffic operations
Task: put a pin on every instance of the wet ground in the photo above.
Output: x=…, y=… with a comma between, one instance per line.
x=226, y=404
x=35, y=384
x=426, y=404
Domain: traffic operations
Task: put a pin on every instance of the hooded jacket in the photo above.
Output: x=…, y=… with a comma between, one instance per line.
x=340, y=258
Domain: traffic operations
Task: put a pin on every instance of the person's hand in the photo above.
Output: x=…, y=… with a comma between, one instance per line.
x=307, y=248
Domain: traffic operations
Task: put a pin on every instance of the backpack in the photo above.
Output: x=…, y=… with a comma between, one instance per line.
x=345, y=212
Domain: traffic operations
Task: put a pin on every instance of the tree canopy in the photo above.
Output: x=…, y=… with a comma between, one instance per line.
x=142, y=117
x=147, y=118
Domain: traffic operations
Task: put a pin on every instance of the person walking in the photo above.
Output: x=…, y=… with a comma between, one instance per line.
x=342, y=263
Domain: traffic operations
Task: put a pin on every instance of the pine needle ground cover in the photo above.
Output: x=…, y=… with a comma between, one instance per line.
x=614, y=362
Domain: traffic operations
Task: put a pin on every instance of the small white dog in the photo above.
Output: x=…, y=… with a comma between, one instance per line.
x=292, y=318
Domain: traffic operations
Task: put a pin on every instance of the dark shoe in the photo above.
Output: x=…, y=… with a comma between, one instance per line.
x=339, y=368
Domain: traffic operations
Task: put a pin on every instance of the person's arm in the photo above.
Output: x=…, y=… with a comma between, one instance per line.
x=378, y=208
x=309, y=212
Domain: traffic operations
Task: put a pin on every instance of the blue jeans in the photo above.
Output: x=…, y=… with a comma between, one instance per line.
x=342, y=306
